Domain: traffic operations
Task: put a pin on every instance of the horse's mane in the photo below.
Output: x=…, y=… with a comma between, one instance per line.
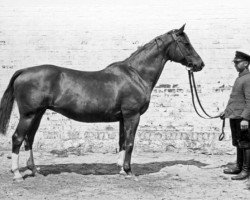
x=147, y=45
x=139, y=49
x=142, y=48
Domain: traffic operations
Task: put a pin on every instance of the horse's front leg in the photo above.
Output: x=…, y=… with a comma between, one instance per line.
x=17, y=139
x=30, y=162
x=130, y=127
x=29, y=140
x=121, y=155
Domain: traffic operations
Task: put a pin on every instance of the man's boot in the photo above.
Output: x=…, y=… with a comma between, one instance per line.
x=245, y=168
x=239, y=162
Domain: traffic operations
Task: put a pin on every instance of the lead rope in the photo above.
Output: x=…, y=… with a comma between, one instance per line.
x=194, y=89
x=222, y=135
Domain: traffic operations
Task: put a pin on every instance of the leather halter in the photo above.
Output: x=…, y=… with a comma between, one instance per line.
x=177, y=42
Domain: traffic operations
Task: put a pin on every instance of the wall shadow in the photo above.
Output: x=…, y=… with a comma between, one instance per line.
x=111, y=169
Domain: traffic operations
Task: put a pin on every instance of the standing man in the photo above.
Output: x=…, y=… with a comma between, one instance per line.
x=238, y=112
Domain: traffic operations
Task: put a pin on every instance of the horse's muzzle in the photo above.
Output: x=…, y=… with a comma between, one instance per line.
x=195, y=67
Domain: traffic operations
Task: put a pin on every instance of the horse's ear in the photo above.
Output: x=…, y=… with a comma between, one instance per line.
x=180, y=31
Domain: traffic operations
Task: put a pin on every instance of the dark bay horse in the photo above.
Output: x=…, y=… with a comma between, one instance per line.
x=120, y=92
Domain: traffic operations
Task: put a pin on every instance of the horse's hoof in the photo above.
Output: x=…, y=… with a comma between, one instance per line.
x=122, y=172
x=18, y=180
x=131, y=177
x=33, y=174
x=33, y=169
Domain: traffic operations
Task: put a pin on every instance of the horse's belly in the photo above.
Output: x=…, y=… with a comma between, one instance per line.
x=90, y=115
x=88, y=107
x=101, y=117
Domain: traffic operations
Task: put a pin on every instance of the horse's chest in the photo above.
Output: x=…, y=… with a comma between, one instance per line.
x=144, y=107
x=138, y=101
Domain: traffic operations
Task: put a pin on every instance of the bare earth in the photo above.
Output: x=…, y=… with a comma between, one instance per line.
x=95, y=176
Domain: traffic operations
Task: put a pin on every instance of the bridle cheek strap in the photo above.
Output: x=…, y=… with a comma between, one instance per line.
x=175, y=39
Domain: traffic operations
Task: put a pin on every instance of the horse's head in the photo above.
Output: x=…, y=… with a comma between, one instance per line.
x=181, y=50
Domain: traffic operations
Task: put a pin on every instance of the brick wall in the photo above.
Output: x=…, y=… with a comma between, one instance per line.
x=89, y=35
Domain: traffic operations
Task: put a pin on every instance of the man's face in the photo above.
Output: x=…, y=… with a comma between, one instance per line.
x=240, y=65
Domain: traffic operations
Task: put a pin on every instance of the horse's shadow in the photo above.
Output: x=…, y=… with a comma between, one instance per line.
x=110, y=169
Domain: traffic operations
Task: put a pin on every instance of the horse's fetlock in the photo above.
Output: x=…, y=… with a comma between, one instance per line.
x=126, y=168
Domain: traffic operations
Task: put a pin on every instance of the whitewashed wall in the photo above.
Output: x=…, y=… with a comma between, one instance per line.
x=90, y=34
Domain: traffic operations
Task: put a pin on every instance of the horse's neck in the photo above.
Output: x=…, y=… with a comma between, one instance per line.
x=149, y=64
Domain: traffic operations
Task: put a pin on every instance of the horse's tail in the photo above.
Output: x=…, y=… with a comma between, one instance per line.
x=6, y=104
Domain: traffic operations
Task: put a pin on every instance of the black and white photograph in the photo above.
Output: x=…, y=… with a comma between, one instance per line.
x=128, y=100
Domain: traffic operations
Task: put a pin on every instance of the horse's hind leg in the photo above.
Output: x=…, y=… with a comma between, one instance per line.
x=24, y=126
x=29, y=139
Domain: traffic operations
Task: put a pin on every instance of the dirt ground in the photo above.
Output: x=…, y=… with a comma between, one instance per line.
x=190, y=175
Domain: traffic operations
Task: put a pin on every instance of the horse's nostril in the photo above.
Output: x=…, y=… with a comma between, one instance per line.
x=202, y=64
